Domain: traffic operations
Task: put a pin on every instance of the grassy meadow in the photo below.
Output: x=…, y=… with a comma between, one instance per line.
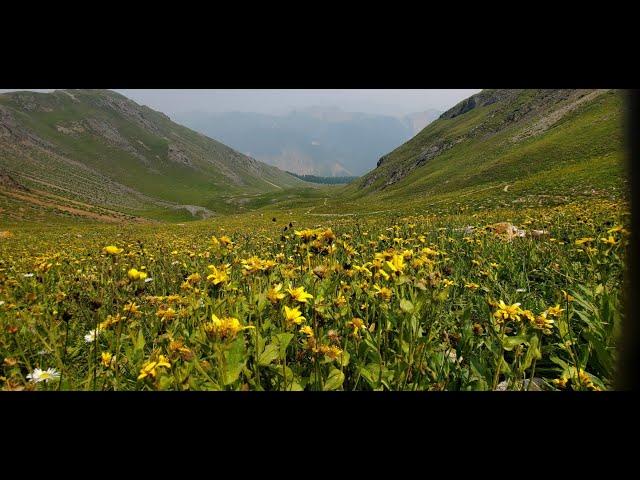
x=486, y=253
x=280, y=299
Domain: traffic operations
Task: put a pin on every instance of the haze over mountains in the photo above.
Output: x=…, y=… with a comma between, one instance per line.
x=321, y=141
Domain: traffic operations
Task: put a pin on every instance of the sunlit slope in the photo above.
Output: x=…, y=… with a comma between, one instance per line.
x=511, y=147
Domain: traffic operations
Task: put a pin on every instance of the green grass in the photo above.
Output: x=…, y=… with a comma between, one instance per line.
x=147, y=171
x=584, y=149
x=436, y=330
x=429, y=324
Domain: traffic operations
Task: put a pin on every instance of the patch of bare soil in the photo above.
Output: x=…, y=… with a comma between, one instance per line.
x=45, y=202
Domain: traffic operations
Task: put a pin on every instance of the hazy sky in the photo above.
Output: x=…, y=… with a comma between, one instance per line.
x=389, y=102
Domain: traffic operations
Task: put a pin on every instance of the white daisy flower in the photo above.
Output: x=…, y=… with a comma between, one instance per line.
x=28, y=275
x=91, y=336
x=520, y=290
x=47, y=375
x=148, y=279
x=1, y=302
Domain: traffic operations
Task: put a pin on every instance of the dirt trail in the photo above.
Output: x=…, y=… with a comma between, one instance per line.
x=71, y=95
x=308, y=212
x=324, y=204
x=277, y=186
x=471, y=193
x=346, y=214
x=75, y=211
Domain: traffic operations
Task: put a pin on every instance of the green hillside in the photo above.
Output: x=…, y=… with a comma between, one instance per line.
x=98, y=150
x=504, y=147
x=96, y=155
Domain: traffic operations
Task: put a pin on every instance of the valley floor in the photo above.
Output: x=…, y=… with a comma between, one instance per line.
x=328, y=295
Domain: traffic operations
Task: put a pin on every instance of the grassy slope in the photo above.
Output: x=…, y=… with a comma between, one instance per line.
x=583, y=151
x=580, y=153
x=148, y=170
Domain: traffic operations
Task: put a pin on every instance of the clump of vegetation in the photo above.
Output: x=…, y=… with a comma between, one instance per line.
x=323, y=180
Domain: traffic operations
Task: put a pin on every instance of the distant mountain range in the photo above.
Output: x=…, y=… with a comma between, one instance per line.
x=313, y=141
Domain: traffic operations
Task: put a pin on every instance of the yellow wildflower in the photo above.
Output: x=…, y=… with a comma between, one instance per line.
x=555, y=311
x=357, y=324
x=560, y=382
x=225, y=328
x=166, y=314
x=584, y=240
x=226, y=241
x=112, y=250
x=541, y=322
x=609, y=241
x=333, y=352
x=299, y=294
x=305, y=235
x=135, y=274
x=217, y=276
x=528, y=314
x=149, y=368
x=274, y=294
x=193, y=278
x=396, y=265
x=384, y=292
x=293, y=315
x=307, y=330
x=131, y=308
x=585, y=380
x=507, y=312
x=106, y=358
x=255, y=264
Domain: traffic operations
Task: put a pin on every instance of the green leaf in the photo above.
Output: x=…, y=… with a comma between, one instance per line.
x=139, y=345
x=509, y=343
x=233, y=372
x=561, y=363
x=344, y=358
x=334, y=380
x=371, y=346
x=165, y=382
x=260, y=342
x=295, y=387
x=370, y=374
x=283, y=340
x=271, y=353
x=505, y=368
x=533, y=352
x=234, y=360
x=442, y=295
x=406, y=306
